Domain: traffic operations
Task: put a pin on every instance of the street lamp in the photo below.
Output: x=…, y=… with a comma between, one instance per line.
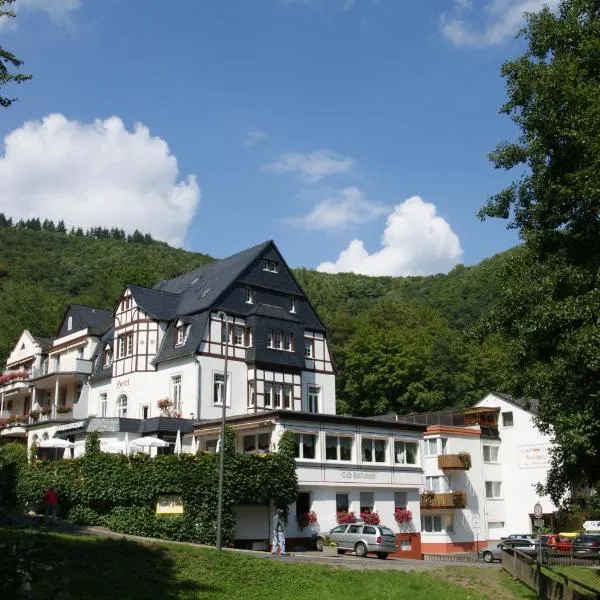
x=223, y=318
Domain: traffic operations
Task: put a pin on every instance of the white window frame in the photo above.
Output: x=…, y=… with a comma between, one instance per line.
x=372, y=441
x=251, y=394
x=440, y=443
x=314, y=435
x=338, y=447
x=491, y=448
x=443, y=529
x=257, y=450
x=400, y=453
x=493, y=490
x=238, y=335
x=218, y=401
x=313, y=398
x=107, y=356
x=103, y=404
x=122, y=402
x=309, y=349
x=292, y=304
x=249, y=295
x=271, y=266
x=400, y=499
x=268, y=393
x=512, y=418
x=180, y=332
x=437, y=484
x=176, y=392
x=142, y=407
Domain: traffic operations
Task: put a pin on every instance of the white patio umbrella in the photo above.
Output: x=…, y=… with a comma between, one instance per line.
x=178, y=443
x=56, y=443
x=194, y=444
x=149, y=442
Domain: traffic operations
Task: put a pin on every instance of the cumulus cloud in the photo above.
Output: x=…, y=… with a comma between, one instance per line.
x=58, y=10
x=416, y=241
x=339, y=210
x=254, y=137
x=501, y=20
x=98, y=173
x=312, y=167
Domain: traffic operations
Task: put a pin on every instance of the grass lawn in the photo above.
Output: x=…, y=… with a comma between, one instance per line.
x=83, y=567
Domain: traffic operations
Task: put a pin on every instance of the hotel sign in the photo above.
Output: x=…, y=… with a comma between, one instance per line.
x=358, y=475
x=68, y=426
x=534, y=456
x=169, y=505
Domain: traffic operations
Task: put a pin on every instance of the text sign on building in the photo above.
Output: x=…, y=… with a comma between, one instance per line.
x=534, y=456
x=169, y=505
x=69, y=426
x=358, y=475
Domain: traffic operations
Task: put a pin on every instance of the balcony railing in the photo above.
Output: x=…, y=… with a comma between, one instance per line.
x=14, y=379
x=455, y=499
x=454, y=462
x=73, y=365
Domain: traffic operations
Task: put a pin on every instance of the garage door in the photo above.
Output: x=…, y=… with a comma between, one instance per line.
x=252, y=522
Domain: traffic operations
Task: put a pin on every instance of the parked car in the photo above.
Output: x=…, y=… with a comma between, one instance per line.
x=561, y=542
x=521, y=536
x=586, y=543
x=494, y=551
x=360, y=538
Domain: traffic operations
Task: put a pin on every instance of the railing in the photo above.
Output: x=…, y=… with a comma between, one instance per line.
x=454, y=462
x=455, y=499
x=13, y=378
x=73, y=365
x=546, y=582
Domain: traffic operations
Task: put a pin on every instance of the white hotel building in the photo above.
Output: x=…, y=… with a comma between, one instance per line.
x=107, y=371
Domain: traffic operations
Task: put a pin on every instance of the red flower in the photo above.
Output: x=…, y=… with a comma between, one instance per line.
x=402, y=515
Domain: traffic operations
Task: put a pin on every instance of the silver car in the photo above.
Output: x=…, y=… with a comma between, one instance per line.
x=360, y=538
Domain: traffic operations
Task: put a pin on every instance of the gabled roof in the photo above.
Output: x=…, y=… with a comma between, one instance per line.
x=276, y=312
x=529, y=404
x=199, y=289
x=196, y=327
x=95, y=320
x=157, y=303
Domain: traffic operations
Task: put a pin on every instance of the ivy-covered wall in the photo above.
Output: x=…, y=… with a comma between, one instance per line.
x=121, y=492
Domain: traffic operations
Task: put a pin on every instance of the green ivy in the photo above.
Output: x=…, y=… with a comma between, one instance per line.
x=121, y=492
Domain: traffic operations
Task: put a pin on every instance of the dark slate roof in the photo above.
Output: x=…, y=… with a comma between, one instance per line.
x=168, y=350
x=276, y=312
x=287, y=416
x=96, y=320
x=529, y=404
x=99, y=372
x=44, y=342
x=199, y=289
x=157, y=303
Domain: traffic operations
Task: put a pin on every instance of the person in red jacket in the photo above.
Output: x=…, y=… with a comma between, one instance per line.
x=50, y=504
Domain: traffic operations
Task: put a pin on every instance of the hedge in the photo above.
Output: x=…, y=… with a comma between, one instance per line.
x=121, y=492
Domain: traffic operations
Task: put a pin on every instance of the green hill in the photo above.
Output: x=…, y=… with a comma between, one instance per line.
x=399, y=343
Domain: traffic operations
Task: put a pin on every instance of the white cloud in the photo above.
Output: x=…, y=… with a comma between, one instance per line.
x=346, y=208
x=416, y=241
x=254, y=137
x=501, y=20
x=58, y=10
x=311, y=166
x=96, y=173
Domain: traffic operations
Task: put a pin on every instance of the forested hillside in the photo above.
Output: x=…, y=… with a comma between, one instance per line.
x=400, y=344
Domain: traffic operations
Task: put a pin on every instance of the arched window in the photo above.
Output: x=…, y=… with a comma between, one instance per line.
x=69, y=323
x=45, y=437
x=36, y=440
x=122, y=406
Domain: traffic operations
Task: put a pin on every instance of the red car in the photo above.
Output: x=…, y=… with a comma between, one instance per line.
x=560, y=542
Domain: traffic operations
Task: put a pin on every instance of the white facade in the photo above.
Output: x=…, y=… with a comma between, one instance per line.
x=508, y=457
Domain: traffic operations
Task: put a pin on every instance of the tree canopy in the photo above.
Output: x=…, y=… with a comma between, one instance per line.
x=550, y=314
x=8, y=61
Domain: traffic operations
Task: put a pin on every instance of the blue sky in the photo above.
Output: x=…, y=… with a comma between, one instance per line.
x=353, y=133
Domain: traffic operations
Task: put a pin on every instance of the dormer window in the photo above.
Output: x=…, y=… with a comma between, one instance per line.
x=271, y=266
x=180, y=333
x=292, y=305
x=69, y=323
x=249, y=299
x=107, y=356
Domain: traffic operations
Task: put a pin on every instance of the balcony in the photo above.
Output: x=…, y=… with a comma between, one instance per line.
x=56, y=367
x=454, y=462
x=13, y=380
x=455, y=499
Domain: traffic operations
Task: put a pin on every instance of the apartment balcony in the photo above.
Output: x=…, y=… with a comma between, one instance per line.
x=62, y=413
x=437, y=500
x=454, y=462
x=14, y=380
x=71, y=366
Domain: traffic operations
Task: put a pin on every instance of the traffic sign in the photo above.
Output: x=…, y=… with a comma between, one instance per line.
x=538, y=511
